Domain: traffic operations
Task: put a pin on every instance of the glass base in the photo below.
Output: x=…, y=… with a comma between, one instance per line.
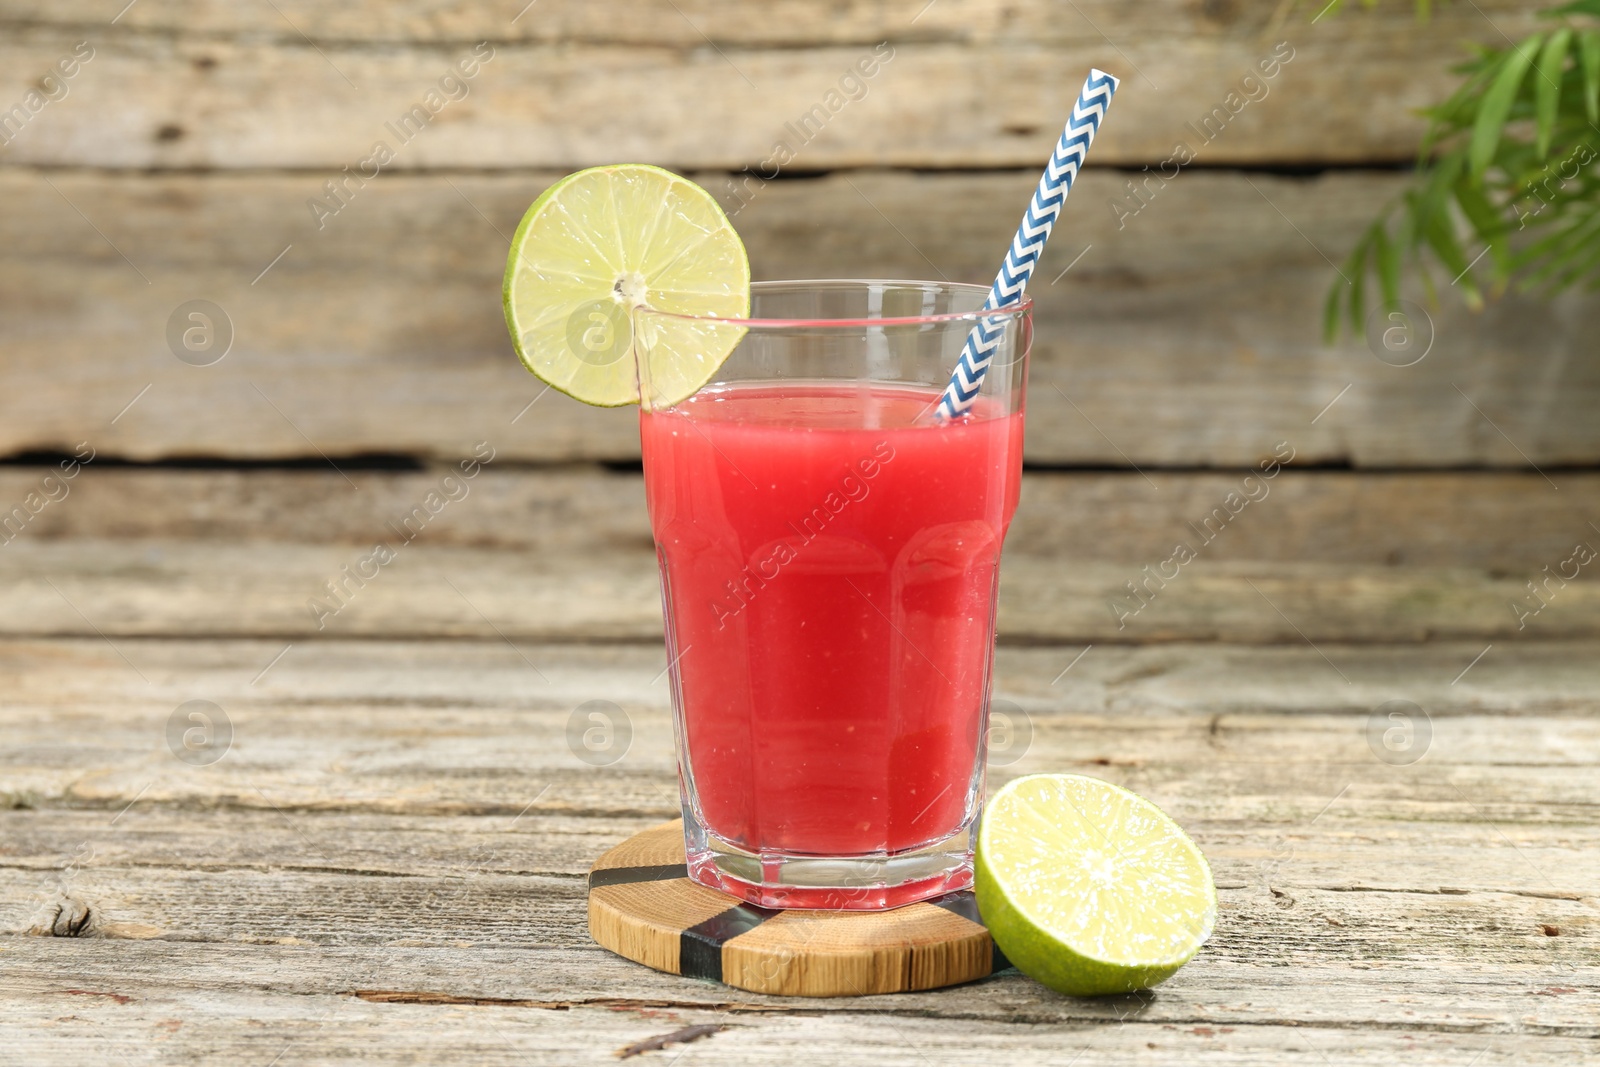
x=869, y=882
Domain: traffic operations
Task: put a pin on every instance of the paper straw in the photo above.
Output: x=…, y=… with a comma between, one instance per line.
x=1026, y=247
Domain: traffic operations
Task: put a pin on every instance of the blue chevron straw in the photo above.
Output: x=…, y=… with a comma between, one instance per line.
x=1026, y=247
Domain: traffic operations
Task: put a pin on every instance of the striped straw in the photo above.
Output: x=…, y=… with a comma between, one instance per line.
x=1026, y=247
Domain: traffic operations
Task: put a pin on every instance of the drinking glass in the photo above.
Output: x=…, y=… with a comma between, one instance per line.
x=829, y=555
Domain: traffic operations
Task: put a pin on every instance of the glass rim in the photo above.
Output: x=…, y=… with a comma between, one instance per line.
x=1017, y=309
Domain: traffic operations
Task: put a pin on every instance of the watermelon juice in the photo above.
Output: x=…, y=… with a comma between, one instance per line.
x=829, y=562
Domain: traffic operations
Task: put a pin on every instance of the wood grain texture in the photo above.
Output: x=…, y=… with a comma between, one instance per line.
x=178, y=588
x=805, y=953
x=787, y=23
x=644, y=921
x=643, y=924
x=1187, y=337
x=855, y=954
x=984, y=85
x=466, y=728
x=166, y=1020
x=371, y=830
x=1262, y=839
x=538, y=510
x=654, y=846
x=1509, y=524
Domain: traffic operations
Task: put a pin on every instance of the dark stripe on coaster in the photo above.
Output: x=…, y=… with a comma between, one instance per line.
x=965, y=905
x=626, y=875
x=700, y=947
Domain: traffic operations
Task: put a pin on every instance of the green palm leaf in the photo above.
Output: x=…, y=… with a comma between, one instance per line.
x=1495, y=107
x=1589, y=51
x=1507, y=184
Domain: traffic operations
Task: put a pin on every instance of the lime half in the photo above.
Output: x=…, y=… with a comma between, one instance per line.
x=601, y=243
x=1088, y=888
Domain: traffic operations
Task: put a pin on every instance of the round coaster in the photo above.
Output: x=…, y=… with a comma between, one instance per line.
x=642, y=906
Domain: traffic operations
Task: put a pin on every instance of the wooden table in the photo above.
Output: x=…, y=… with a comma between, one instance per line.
x=386, y=864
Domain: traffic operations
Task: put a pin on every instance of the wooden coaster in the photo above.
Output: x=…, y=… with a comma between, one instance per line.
x=642, y=906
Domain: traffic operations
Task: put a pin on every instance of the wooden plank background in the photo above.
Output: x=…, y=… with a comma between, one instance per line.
x=706, y=85
x=387, y=866
x=180, y=162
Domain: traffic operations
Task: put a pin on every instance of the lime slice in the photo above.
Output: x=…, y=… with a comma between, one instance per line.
x=1088, y=888
x=603, y=242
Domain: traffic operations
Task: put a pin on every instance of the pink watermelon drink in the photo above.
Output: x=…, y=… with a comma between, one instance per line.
x=829, y=565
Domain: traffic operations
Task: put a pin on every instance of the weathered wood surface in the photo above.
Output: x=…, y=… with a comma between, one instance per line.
x=188, y=1024
x=781, y=23
x=194, y=588
x=470, y=728
x=1187, y=337
x=1504, y=523
x=203, y=85
x=382, y=824
x=566, y=554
